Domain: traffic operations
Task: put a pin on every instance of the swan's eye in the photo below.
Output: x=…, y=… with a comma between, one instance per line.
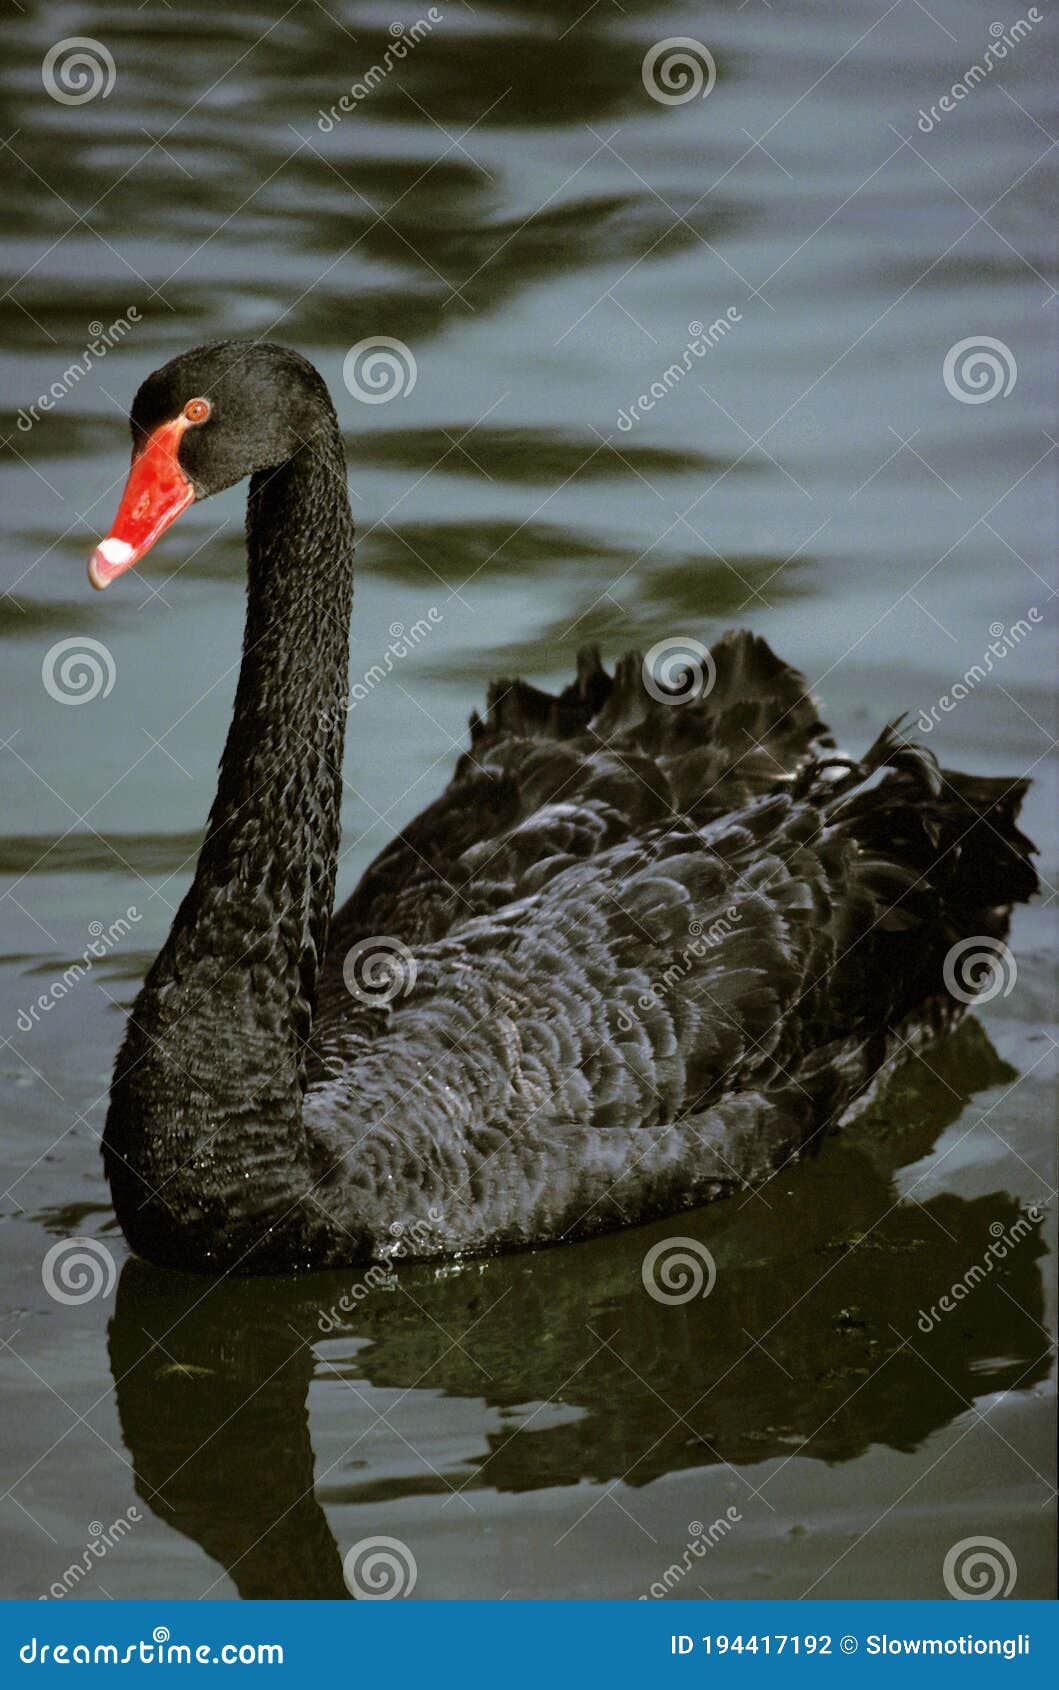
x=197, y=410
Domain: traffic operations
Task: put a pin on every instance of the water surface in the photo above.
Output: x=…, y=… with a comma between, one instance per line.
x=511, y=204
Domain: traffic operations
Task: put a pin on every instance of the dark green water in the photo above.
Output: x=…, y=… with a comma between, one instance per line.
x=511, y=204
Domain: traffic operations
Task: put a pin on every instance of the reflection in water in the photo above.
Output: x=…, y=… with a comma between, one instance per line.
x=218, y=1425
x=212, y=1379
x=320, y=186
x=541, y=234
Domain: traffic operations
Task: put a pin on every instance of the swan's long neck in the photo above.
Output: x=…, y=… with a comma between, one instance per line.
x=262, y=895
x=213, y=1063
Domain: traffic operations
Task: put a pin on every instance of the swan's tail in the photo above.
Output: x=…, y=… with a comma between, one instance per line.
x=957, y=831
x=935, y=861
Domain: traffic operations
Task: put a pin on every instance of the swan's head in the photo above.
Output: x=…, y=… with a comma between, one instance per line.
x=201, y=423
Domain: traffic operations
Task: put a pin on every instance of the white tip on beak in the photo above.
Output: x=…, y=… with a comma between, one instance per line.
x=109, y=559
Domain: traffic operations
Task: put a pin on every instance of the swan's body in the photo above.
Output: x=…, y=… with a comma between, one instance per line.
x=657, y=948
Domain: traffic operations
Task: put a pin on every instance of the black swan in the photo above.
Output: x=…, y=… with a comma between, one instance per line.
x=649, y=944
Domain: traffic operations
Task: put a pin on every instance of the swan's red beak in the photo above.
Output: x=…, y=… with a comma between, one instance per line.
x=155, y=494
